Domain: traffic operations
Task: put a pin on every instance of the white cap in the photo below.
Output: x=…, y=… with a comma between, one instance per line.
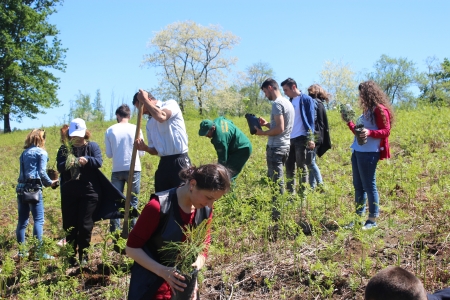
x=77, y=128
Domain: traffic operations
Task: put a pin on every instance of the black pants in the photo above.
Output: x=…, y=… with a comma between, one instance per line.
x=166, y=177
x=79, y=200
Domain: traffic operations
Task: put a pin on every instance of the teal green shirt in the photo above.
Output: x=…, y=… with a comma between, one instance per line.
x=227, y=139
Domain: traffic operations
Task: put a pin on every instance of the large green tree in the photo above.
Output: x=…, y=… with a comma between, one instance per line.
x=189, y=58
x=29, y=49
x=395, y=76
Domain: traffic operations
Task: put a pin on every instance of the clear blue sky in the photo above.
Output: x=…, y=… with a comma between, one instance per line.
x=106, y=39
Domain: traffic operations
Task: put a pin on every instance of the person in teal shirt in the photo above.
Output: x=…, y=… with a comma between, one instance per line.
x=232, y=146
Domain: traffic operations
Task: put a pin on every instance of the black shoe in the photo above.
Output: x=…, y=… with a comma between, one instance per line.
x=73, y=261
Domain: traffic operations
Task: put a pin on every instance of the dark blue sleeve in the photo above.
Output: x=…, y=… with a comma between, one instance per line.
x=61, y=159
x=440, y=295
x=308, y=112
x=94, y=158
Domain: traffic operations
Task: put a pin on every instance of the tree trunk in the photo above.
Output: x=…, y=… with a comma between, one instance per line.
x=6, y=124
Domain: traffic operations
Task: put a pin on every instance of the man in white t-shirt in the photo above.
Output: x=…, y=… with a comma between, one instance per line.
x=119, y=140
x=167, y=138
x=278, y=142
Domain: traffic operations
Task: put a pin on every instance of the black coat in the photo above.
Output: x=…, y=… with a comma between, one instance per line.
x=321, y=129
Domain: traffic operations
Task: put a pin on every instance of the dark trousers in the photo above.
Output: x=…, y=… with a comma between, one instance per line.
x=236, y=161
x=78, y=202
x=166, y=177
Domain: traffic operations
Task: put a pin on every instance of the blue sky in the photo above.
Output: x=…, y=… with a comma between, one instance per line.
x=106, y=39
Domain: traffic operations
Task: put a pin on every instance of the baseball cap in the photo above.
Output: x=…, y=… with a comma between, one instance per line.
x=205, y=126
x=77, y=128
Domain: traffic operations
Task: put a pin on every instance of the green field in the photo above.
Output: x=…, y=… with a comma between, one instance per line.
x=306, y=255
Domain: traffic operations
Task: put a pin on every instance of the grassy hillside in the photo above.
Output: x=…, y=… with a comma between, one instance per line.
x=306, y=255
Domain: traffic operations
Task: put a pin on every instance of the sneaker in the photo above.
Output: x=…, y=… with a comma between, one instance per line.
x=44, y=256
x=61, y=242
x=369, y=225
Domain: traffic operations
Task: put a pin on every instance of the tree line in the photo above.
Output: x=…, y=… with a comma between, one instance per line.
x=193, y=65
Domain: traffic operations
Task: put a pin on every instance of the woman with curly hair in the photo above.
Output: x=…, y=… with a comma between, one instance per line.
x=33, y=165
x=377, y=118
x=322, y=135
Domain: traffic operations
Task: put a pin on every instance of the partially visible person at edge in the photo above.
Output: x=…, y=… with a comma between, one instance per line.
x=300, y=139
x=322, y=141
x=119, y=140
x=395, y=283
x=278, y=143
x=167, y=138
x=160, y=222
x=79, y=193
x=33, y=166
x=377, y=118
x=232, y=145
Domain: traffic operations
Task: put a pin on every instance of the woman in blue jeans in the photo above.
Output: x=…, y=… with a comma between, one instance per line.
x=33, y=165
x=376, y=120
x=322, y=141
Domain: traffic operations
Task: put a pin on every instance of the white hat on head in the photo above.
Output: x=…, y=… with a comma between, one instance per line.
x=77, y=127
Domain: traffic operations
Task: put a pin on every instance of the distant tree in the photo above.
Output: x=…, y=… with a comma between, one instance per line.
x=429, y=81
x=29, y=49
x=256, y=74
x=82, y=107
x=338, y=79
x=189, y=56
x=98, y=110
x=395, y=76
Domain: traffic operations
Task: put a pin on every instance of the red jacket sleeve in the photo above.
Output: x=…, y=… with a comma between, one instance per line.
x=384, y=130
x=145, y=226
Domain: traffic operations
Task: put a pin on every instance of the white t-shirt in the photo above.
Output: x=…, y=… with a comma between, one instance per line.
x=298, y=129
x=119, y=140
x=168, y=137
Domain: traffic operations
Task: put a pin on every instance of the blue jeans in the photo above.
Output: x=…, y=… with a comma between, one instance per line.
x=314, y=175
x=37, y=210
x=118, y=179
x=276, y=158
x=297, y=156
x=364, y=165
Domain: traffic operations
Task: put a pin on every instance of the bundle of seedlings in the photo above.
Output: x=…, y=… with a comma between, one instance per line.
x=72, y=162
x=347, y=112
x=181, y=255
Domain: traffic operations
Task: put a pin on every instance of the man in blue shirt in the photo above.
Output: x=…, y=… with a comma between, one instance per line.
x=303, y=125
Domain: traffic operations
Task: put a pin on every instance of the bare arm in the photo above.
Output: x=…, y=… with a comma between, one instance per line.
x=141, y=146
x=160, y=115
x=276, y=130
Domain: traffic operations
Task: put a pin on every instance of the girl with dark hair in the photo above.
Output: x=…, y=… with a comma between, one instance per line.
x=322, y=141
x=160, y=222
x=33, y=165
x=377, y=118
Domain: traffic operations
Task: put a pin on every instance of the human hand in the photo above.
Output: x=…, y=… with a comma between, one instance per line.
x=173, y=278
x=82, y=160
x=311, y=145
x=258, y=131
x=200, y=262
x=140, y=145
x=263, y=122
x=142, y=95
x=364, y=133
